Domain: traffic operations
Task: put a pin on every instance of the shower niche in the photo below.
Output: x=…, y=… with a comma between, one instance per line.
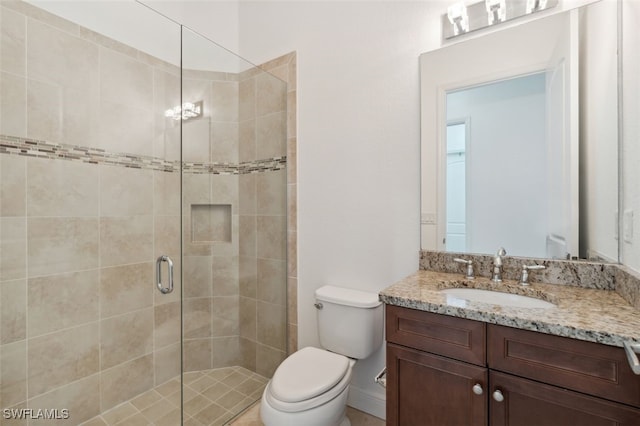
x=210, y=223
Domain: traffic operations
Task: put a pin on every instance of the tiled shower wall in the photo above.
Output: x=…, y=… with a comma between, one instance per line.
x=82, y=325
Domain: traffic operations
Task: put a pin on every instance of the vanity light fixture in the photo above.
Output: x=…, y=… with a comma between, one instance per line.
x=185, y=112
x=536, y=5
x=461, y=19
x=496, y=11
x=457, y=15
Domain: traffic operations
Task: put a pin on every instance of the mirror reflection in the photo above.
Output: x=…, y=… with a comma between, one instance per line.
x=519, y=139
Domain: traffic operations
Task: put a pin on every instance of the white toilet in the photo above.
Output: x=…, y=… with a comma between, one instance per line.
x=311, y=386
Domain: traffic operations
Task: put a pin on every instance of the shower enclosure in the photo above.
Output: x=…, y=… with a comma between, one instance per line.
x=143, y=219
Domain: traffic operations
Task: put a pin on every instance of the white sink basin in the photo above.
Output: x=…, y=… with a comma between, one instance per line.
x=457, y=295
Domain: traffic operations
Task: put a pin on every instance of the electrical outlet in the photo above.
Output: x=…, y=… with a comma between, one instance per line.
x=627, y=231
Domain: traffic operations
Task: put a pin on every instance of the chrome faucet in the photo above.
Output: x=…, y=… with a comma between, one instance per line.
x=497, y=265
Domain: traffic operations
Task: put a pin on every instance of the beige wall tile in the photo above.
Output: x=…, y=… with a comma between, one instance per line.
x=226, y=351
x=196, y=190
x=271, y=193
x=62, y=188
x=247, y=99
x=247, y=194
x=248, y=353
x=47, y=45
x=13, y=247
x=125, y=129
x=123, y=382
x=271, y=135
x=225, y=275
x=272, y=325
x=166, y=324
x=12, y=42
x=292, y=336
x=125, y=191
x=125, y=240
x=196, y=318
x=197, y=354
x=57, y=245
x=125, y=80
x=224, y=97
x=226, y=316
x=61, y=114
x=13, y=185
x=62, y=301
x=167, y=363
x=248, y=236
x=272, y=279
x=197, y=276
x=224, y=190
x=292, y=253
x=248, y=277
x=292, y=300
x=196, y=140
x=126, y=337
x=292, y=161
x=211, y=223
x=166, y=189
x=292, y=207
x=13, y=373
x=126, y=288
x=247, y=141
x=166, y=234
x=271, y=94
x=81, y=398
x=248, y=318
x=13, y=121
x=167, y=130
x=62, y=357
x=271, y=240
x=224, y=142
x=268, y=359
x=44, y=121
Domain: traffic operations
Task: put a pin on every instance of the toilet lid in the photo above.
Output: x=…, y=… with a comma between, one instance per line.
x=307, y=373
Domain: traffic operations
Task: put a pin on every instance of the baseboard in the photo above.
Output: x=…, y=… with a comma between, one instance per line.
x=367, y=402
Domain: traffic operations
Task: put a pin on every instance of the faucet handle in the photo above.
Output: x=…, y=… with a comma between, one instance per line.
x=524, y=279
x=470, y=275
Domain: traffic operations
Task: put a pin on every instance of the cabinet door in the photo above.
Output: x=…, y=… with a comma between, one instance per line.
x=429, y=390
x=529, y=403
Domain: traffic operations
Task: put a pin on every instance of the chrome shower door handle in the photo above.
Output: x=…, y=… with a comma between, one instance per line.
x=161, y=287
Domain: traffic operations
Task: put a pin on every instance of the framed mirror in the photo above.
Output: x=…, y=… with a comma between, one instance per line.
x=519, y=139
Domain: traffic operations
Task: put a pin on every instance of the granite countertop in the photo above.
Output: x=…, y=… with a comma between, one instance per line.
x=593, y=315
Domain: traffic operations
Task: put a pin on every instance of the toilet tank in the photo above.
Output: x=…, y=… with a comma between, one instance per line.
x=350, y=322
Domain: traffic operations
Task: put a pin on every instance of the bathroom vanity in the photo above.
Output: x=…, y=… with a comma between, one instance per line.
x=459, y=362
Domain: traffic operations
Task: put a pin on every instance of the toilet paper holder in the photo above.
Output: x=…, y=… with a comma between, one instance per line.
x=381, y=378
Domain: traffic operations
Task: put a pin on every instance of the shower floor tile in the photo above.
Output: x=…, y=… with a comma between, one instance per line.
x=211, y=398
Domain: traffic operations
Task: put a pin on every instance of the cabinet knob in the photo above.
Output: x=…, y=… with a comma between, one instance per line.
x=498, y=396
x=477, y=389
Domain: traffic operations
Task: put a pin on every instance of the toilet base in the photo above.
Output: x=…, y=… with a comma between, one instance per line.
x=332, y=413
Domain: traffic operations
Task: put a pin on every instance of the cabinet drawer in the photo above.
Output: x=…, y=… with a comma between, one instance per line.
x=457, y=338
x=586, y=367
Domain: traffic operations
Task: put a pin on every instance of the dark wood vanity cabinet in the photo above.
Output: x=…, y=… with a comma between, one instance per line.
x=443, y=370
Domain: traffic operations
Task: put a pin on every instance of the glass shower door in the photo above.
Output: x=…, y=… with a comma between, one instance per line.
x=89, y=200
x=234, y=230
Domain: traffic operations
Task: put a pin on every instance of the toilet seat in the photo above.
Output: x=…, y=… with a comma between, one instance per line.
x=308, y=378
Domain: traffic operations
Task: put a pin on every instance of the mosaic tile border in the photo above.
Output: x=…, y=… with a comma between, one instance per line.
x=12, y=145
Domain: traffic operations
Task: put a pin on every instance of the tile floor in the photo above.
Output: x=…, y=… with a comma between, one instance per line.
x=252, y=418
x=211, y=398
